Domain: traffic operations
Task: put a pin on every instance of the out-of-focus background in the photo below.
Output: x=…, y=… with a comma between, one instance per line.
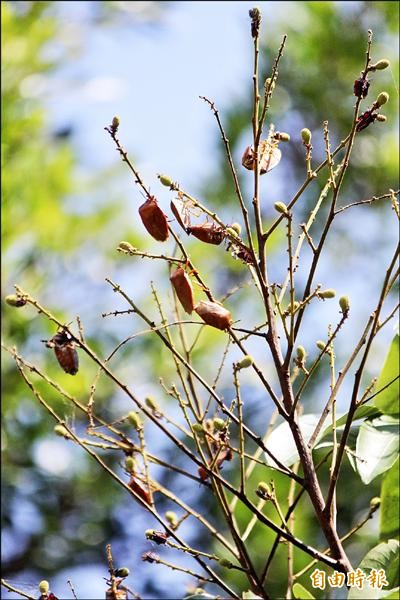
x=67, y=69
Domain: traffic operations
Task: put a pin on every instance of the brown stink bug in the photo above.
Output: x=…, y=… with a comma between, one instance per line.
x=207, y=232
x=139, y=489
x=154, y=219
x=159, y=537
x=183, y=288
x=214, y=314
x=361, y=86
x=65, y=351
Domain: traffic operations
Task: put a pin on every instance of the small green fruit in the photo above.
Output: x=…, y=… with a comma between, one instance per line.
x=151, y=403
x=381, y=99
x=282, y=136
x=281, y=207
x=263, y=490
x=198, y=428
x=165, y=180
x=115, y=123
x=236, y=227
x=126, y=246
x=135, y=420
x=62, y=431
x=14, y=300
x=320, y=344
x=219, y=424
x=122, y=572
x=301, y=353
x=306, y=136
x=44, y=587
x=329, y=293
x=130, y=464
x=245, y=363
x=382, y=64
x=172, y=518
x=344, y=304
x=375, y=502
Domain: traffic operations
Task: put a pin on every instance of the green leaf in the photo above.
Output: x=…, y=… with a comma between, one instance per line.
x=300, y=592
x=392, y=594
x=377, y=447
x=200, y=594
x=362, y=412
x=384, y=556
x=389, y=510
x=388, y=400
x=281, y=443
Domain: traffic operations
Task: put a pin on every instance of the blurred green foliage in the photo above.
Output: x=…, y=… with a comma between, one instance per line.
x=323, y=56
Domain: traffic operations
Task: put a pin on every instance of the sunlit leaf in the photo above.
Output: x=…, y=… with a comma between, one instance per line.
x=388, y=400
x=389, y=526
x=377, y=447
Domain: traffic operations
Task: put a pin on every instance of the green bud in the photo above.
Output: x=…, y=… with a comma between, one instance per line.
x=237, y=228
x=149, y=533
x=268, y=84
x=219, y=424
x=135, y=420
x=224, y=562
x=14, y=300
x=330, y=293
x=375, y=502
x=344, y=304
x=172, y=518
x=381, y=99
x=62, y=431
x=165, y=180
x=130, y=464
x=115, y=123
x=381, y=118
x=281, y=207
x=245, y=363
x=382, y=64
x=231, y=231
x=121, y=572
x=263, y=490
x=295, y=307
x=44, y=587
x=301, y=353
x=320, y=344
x=198, y=428
x=151, y=403
x=126, y=246
x=282, y=136
x=306, y=136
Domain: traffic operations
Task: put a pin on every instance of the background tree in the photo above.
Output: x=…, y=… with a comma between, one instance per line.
x=326, y=27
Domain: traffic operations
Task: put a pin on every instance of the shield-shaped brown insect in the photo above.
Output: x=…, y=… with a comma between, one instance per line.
x=183, y=288
x=154, y=219
x=137, y=487
x=207, y=232
x=214, y=314
x=159, y=537
x=65, y=351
